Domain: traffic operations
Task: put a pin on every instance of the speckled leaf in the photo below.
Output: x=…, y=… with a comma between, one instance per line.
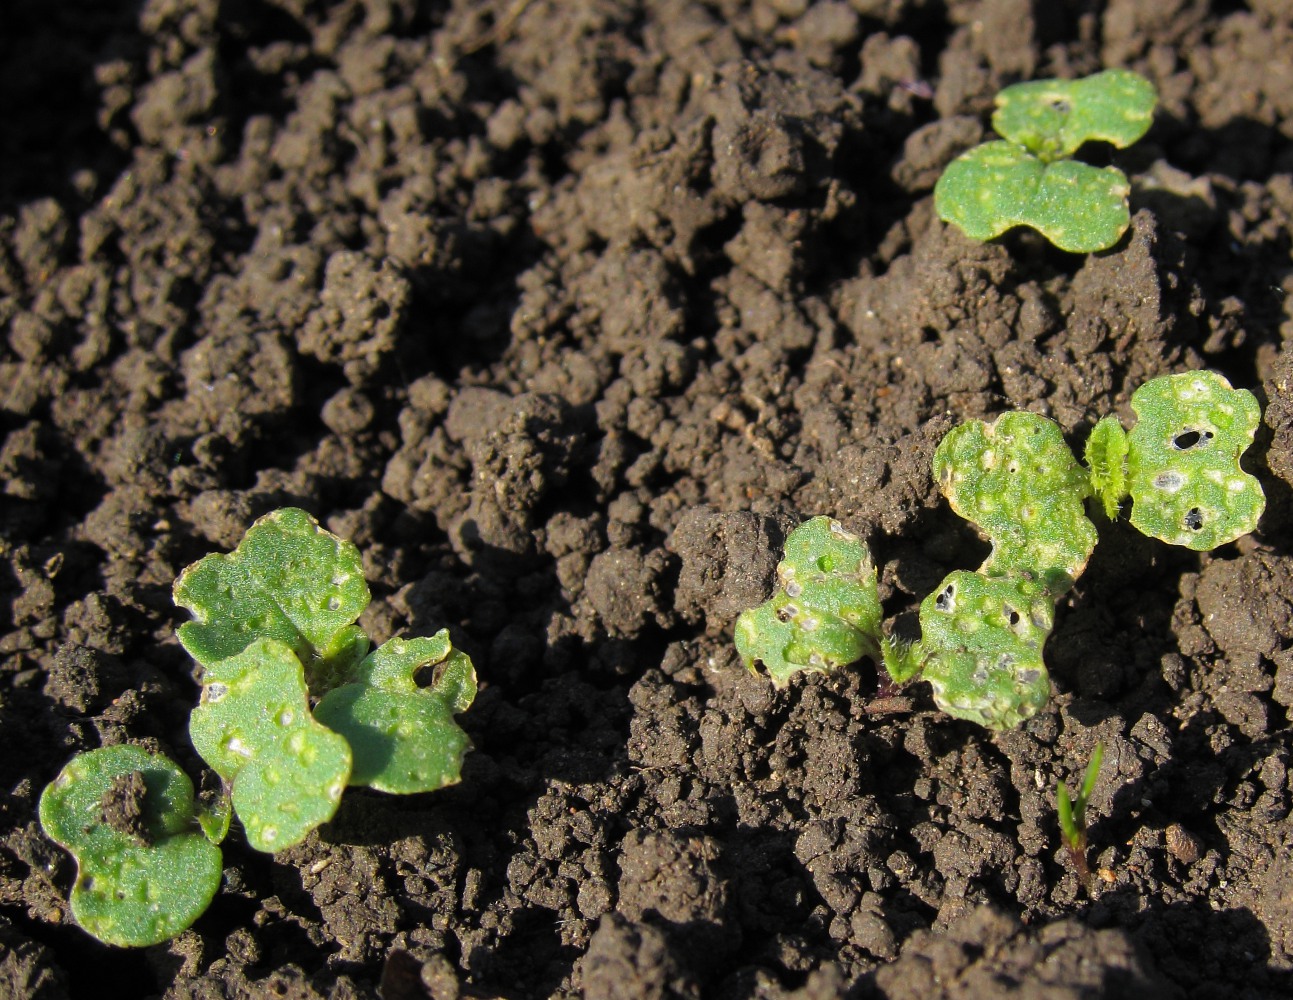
x=404, y=737
x=289, y=579
x=1183, y=467
x=981, y=640
x=1053, y=118
x=996, y=186
x=253, y=727
x=826, y=612
x=129, y=890
x=1018, y=481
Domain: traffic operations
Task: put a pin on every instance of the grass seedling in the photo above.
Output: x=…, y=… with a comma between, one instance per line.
x=983, y=631
x=1072, y=815
x=294, y=708
x=1027, y=178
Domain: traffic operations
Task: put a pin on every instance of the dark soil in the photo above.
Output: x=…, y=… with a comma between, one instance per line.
x=566, y=311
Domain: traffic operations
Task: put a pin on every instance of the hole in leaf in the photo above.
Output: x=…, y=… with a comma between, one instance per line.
x=1190, y=438
x=786, y=612
x=429, y=674
x=1012, y=616
x=1194, y=519
x=946, y=599
x=1061, y=105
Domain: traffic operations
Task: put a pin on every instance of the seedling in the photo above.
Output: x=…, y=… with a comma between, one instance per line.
x=1027, y=178
x=983, y=632
x=294, y=707
x=1072, y=814
x=145, y=868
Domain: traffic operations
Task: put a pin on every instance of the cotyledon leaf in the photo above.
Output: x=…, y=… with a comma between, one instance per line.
x=133, y=887
x=1183, y=471
x=1017, y=479
x=981, y=643
x=824, y=614
x=253, y=727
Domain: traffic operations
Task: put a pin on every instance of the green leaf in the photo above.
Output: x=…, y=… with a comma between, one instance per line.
x=1183, y=456
x=1106, y=459
x=981, y=639
x=290, y=580
x=253, y=727
x=132, y=888
x=996, y=186
x=404, y=737
x=826, y=612
x=1018, y=481
x=1053, y=118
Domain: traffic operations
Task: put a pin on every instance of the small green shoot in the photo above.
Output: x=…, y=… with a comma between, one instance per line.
x=145, y=869
x=1027, y=178
x=983, y=632
x=1072, y=815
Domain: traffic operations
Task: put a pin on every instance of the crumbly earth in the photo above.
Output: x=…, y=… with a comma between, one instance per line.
x=566, y=311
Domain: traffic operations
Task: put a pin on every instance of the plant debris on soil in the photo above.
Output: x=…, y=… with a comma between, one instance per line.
x=566, y=312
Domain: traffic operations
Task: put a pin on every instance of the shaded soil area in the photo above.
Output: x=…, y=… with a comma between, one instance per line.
x=566, y=311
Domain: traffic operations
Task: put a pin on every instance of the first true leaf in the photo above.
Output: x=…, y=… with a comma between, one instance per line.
x=289, y=580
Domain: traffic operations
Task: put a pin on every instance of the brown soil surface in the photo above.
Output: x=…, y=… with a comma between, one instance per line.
x=565, y=311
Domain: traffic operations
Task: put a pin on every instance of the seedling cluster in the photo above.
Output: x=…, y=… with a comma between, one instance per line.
x=294, y=708
x=982, y=631
x=1028, y=177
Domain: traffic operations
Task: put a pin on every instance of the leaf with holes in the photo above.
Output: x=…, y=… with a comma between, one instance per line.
x=1053, y=118
x=1183, y=471
x=286, y=772
x=145, y=871
x=403, y=736
x=825, y=612
x=981, y=645
x=289, y=580
x=1018, y=481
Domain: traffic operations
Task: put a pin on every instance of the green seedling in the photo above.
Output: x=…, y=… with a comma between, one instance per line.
x=274, y=626
x=1072, y=814
x=1028, y=179
x=145, y=868
x=294, y=707
x=1180, y=462
x=983, y=631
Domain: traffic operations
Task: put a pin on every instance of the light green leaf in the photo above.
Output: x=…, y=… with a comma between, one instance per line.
x=826, y=612
x=290, y=580
x=1106, y=459
x=131, y=889
x=1018, y=481
x=1183, y=467
x=404, y=737
x=982, y=639
x=253, y=727
x=994, y=187
x=1053, y=118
